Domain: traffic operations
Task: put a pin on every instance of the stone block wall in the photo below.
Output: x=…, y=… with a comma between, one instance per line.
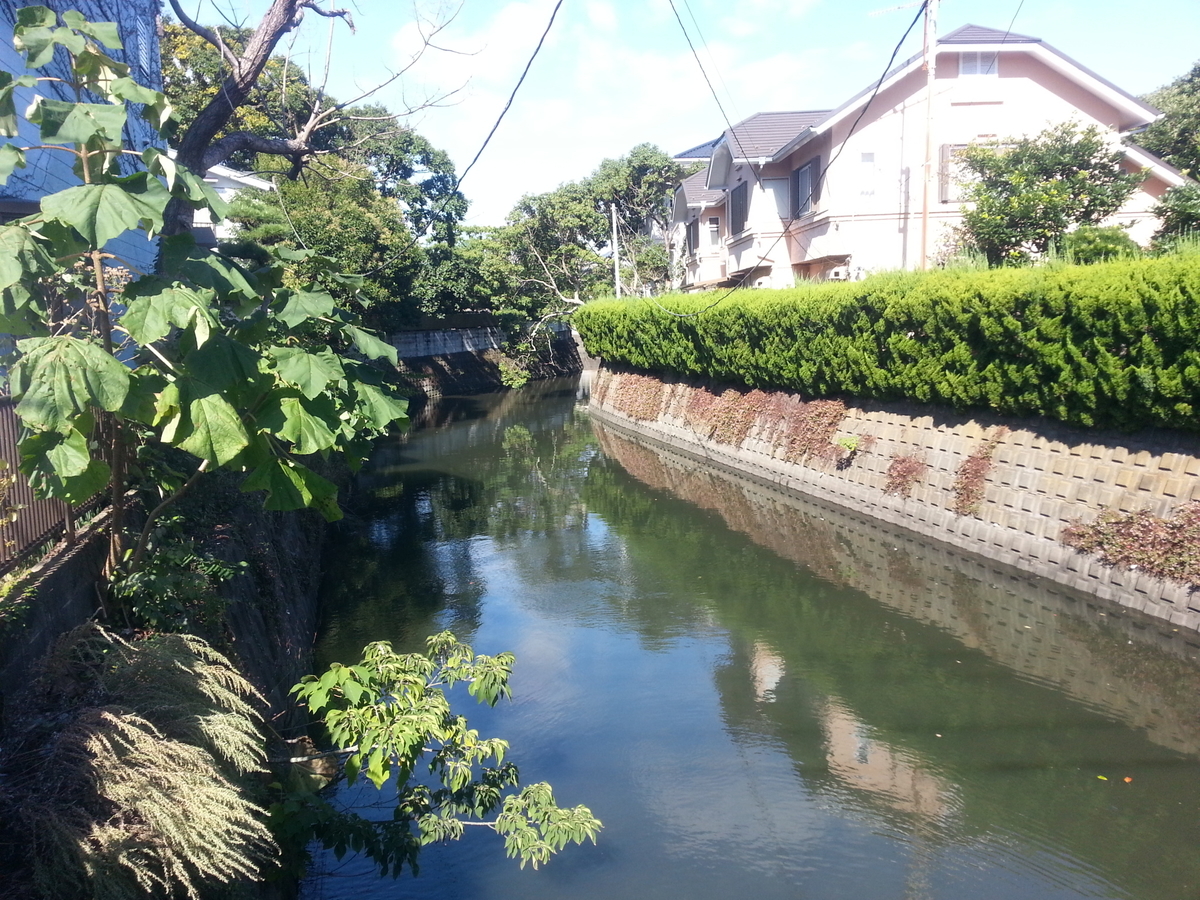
x=1042, y=477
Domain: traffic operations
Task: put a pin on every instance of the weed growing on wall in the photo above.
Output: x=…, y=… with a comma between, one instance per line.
x=972, y=475
x=903, y=473
x=1167, y=548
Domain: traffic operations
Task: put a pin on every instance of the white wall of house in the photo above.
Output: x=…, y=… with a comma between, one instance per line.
x=870, y=203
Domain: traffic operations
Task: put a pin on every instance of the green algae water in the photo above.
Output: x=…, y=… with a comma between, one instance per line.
x=760, y=696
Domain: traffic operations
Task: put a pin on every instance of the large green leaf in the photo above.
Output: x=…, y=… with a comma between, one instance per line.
x=213, y=429
x=303, y=305
x=182, y=258
x=149, y=317
x=57, y=378
x=310, y=372
x=105, y=32
x=201, y=195
x=377, y=407
x=101, y=212
x=33, y=34
x=223, y=362
x=8, y=109
x=290, y=419
x=39, y=452
x=75, y=123
x=11, y=157
x=369, y=345
x=290, y=485
x=21, y=255
x=61, y=454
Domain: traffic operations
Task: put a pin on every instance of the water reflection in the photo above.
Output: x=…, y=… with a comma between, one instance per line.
x=760, y=695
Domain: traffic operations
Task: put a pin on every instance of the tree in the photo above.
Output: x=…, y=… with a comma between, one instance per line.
x=1179, y=213
x=1025, y=193
x=207, y=139
x=1176, y=136
x=339, y=216
x=388, y=713
x=555, y=251
x=225, y=367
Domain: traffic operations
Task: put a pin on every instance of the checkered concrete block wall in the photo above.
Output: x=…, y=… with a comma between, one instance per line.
x=1043, y=477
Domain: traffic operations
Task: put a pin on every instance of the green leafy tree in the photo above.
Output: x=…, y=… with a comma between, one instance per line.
x=247, y=371
x=555, y=250
x=1179, y=213
x=337, y=212
x=1176, y=136
x=1025, y=194
x=389, y=713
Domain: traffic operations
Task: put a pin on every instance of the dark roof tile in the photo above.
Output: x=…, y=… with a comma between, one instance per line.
x=761, y=135
x=978, y=34
x=700, y=151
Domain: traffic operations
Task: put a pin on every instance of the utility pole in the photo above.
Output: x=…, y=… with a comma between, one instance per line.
x=929, y=65
x=612, y=208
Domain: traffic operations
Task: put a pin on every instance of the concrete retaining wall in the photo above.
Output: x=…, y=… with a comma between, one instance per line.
x=1043, y=477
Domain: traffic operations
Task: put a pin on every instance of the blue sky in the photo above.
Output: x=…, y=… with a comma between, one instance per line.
x=615, y=73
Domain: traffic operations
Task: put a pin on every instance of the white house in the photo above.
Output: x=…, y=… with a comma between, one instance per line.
x=225, y=182
x=759, y=214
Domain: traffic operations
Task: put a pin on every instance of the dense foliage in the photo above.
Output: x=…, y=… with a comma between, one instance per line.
x=1176, y=136
x=1109, y=345
x=1026, y=193
x=556, y=248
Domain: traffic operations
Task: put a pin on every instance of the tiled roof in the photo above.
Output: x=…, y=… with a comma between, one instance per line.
x=700, y=151
x=697, y=194
x=977, y=34
x=761, y=135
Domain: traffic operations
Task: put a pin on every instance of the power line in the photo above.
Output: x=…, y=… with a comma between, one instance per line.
x=441, y=207
x=820, y=177
x=1013, y=21
x=712, y=90
x=712, y=59
x=512, y=96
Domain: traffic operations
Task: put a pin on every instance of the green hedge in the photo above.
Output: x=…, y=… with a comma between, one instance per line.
x=1110, y=345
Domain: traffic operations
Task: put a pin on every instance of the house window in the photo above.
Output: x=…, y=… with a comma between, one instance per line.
x=806, y=184
x=973, y=62
x=739, y=208
x=714, y=231
x=693, y=236
x=951, y=173
x=867, y=177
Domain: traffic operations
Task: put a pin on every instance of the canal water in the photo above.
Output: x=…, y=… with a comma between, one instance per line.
x=759, y=696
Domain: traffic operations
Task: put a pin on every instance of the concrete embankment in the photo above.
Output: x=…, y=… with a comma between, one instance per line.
x=904, y=464
x=438, y=362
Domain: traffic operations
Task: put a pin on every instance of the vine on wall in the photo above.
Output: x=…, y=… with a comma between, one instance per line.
x=1167, y=548
x=972, y=474
x=904, y=472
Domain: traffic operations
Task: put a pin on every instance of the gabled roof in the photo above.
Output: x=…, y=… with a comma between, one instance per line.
x=697, y=195
x=978, y=34
x=761, y=135
x=1137, y=111
x=700, y=151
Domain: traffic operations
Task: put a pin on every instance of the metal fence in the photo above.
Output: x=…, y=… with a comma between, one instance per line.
x=37, y=522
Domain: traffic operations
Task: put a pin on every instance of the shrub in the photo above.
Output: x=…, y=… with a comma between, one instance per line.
x=1089, y=244
x=1111, y=345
